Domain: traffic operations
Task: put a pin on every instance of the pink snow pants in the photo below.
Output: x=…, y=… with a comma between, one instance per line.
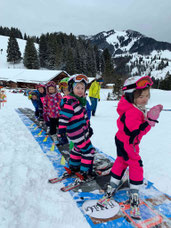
x=127, y=159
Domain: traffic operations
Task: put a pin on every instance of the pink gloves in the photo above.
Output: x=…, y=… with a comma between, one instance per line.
x=153, y=114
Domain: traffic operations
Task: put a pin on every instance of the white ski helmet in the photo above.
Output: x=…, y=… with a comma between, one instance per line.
x=75, y=79
x=133, y=83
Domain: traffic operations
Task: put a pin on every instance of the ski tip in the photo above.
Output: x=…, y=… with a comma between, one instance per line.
x=64, y=189
x=51, y=181
x=68, y=170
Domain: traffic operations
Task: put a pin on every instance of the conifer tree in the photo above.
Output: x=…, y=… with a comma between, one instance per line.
x=117, y=87
x=13, y=52
x=25, y=36
x=31, y=60
x=43, y=51
x=70, y=63
x=97, y=59
x=108, y=71
x=51, y=55
x=165, y=84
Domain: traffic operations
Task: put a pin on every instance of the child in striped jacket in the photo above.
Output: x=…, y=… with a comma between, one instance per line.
x=74, y=122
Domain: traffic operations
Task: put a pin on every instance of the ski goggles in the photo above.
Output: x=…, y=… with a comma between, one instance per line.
x=63, y=85
x=139, y=84
x=80, y=77
x=40, y=85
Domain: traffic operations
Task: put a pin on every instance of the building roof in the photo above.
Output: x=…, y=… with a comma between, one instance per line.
x=29, y=76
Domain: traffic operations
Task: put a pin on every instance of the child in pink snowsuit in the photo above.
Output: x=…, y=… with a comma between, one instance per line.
x=133, y=123
x=51, y=107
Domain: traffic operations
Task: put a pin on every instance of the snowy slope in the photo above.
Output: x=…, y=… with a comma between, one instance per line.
x=145, y=53
x=3, y=54
x=27, y=200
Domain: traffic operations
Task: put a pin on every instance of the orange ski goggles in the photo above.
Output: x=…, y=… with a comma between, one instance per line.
x=139, y=84
x=81, y=77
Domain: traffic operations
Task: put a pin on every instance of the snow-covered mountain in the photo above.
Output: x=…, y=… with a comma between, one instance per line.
x=128, y=41
x=139, y=54
x=132, y=52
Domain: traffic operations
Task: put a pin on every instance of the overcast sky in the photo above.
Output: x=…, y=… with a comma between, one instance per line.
x=89, y=17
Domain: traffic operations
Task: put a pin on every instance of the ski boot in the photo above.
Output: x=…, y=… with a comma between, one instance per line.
x=110, y=191
x=48, y=130
x=134, y=205
x=71, y=170
x=40, y=121
x=55, y=139
x=62, y=139
x=83, y=177
x=74, y=169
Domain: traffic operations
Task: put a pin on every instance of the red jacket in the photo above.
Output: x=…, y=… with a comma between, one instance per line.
x=51, y=105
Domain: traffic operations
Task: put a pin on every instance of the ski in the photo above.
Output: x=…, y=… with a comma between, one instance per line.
x=78, y=182
x=67, y=174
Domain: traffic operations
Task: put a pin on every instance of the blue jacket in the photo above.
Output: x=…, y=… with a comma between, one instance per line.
x=88, y=108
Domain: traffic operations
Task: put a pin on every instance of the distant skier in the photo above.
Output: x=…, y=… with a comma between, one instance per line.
x=133, y=122
x=94, y=93
x=74, y=122
x=2, y=96
x=51, y=108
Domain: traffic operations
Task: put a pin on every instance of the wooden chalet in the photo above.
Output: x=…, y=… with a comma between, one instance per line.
x=24, y=78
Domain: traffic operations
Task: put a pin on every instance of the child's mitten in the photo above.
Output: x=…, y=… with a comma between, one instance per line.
x=153, y=114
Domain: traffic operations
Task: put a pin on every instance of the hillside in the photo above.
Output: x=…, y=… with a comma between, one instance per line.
x=3, y=53
x=132, y=52
x=139, y=54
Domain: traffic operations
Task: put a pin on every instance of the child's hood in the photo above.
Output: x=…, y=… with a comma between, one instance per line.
x=123, y=106
x=51, y=84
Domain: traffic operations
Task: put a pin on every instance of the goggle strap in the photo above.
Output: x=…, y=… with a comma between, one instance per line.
x=132, y=86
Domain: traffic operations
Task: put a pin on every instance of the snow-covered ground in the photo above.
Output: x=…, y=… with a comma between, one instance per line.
x=28, y=201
